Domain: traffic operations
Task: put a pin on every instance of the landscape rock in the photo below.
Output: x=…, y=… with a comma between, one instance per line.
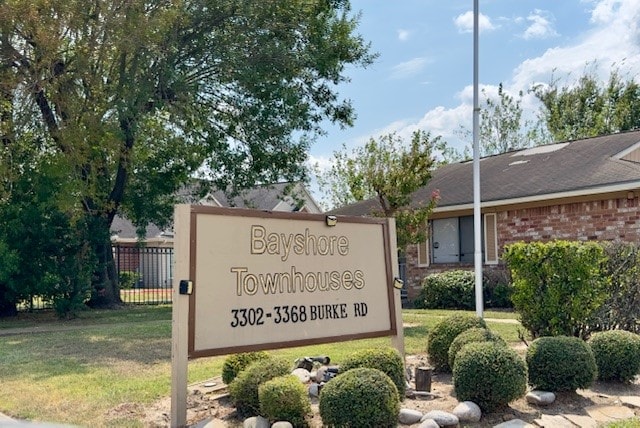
x=428, y=423
x=468, y=411
x=314, y=389
x=256, y=422
x=282, y=424
x=409, y=416
x=540, y=398
x=302, y=374
x=515, y=423
x=442, y=418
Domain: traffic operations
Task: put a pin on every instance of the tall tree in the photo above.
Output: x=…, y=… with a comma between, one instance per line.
x=589, y=107
x=389, y=170
x=138, y=95
x=502, y=125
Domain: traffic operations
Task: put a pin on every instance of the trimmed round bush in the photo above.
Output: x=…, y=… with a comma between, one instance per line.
x=244, y=388
x=489, y=374
x=387, y=360
x=361, y=397
x=443, y=333
x=617, y=354
x=560, y=363
x=235, y=363
x=476, y=334
x=284, y=398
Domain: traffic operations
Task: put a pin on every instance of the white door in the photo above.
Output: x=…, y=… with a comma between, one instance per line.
x=445, y=242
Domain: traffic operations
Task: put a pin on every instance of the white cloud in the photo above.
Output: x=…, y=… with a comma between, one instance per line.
x=403, y=35
x=408, y=68
x=614, y=41
x=541, y=26
x=464, y=23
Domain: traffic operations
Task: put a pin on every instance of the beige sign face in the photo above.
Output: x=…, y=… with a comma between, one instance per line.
x=270, y=280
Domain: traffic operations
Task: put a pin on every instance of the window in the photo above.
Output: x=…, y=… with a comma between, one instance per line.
x=452, y=239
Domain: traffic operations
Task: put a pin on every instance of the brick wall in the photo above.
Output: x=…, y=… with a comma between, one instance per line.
x=605, y=220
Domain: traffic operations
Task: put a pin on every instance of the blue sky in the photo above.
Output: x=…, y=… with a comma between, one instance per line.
x=423, y=76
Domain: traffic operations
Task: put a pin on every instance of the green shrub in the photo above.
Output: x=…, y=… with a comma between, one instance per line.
x=447, y=290
x=620, y=310
x=497, y=289
x=128, y=279
x=489, y=374
x=360, y=397
x=235, y=363
x=558, y=286
x=476, y=334
x=284, y=398
x=443, y=333
x=560, y=363
x=387, y=360
x=244, y=388
x=617, y=354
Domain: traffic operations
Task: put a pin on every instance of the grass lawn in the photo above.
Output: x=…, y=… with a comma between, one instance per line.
x=76, y=373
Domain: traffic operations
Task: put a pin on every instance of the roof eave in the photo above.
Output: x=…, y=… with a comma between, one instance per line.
x=619, y=187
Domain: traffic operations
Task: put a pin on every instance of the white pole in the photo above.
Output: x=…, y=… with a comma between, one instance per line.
x=476, y=170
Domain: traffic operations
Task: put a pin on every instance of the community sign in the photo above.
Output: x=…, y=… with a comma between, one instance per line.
x=265, y=280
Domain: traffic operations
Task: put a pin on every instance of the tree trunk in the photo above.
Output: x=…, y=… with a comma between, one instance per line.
x=105, y=292
x=7, y=305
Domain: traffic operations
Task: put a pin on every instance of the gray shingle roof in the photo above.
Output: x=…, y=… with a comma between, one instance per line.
x=580, y=166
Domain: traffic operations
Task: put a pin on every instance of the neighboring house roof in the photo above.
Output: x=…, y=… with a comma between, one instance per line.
x=270, y=197
x=578, y=168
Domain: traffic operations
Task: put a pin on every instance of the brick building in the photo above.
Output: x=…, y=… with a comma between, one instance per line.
x=580, y=190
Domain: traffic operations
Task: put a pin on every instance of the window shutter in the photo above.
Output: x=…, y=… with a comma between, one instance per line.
x=490, y=239
x=423, y=253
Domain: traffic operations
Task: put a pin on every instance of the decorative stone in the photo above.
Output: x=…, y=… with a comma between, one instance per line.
x=302, y=374
x=320, y=374
x=515, y=423
x=282, y=424
x=442, y=418
x=428, y=423
x=409, y=416
x=540, y=398
x=256, y=422
x=467, y=411
x=553, y=421
x=604, y=413
x=581, y=420
x=630, y=400
x=314, y=389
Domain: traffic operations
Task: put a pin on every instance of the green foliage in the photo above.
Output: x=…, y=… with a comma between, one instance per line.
x=128, y=279
x=620, y=309
x=587, y=108
x=235, y=363
x=476, y=334
x=360, y=398
x=139, y=97
x=443, y=334
x=47, y=246
x=244, y=388
x=497, y=289
x=558, y=285
x=447, y=290
x=502, y=127
x=489, y=374
x=389, y=171
x=560, y=363
x=617, y=354
x=387, y=360
x=284, y=398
